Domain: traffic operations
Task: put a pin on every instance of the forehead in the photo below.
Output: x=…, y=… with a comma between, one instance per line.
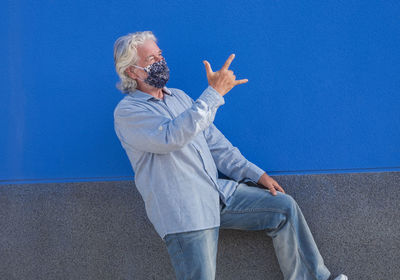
x=148, y=48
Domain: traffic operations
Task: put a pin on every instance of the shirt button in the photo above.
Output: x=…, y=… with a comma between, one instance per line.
x=160, y=128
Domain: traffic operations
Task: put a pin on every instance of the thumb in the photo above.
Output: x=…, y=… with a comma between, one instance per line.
x=208, y=67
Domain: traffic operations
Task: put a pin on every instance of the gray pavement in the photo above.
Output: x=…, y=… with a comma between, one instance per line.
x=99, y=230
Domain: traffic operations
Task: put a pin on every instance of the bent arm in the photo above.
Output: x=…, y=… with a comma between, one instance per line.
x=228, y=158
x=146, y=131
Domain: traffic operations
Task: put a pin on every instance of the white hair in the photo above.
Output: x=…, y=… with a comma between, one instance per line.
x=125, y=55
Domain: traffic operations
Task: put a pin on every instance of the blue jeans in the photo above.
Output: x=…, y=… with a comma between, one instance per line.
x=193, y=254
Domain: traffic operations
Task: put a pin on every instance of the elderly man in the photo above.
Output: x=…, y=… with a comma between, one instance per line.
x=176, y=152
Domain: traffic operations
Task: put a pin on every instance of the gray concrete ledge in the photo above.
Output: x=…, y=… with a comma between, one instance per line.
x=99, y=230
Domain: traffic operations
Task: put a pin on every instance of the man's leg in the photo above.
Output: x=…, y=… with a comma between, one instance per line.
x=193, y=254
x=254, y=208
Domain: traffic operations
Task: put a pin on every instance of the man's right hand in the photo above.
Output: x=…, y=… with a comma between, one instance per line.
x=223, y=80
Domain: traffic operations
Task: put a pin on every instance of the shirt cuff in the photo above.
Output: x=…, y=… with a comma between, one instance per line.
x=211, y=97
x=254, y=172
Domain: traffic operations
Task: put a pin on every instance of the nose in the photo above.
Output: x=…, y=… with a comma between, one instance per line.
x=159, y=57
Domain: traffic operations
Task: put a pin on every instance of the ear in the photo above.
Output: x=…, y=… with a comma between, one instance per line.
x=130, y=71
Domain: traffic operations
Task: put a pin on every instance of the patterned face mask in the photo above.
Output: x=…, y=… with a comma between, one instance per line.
x=158, y=74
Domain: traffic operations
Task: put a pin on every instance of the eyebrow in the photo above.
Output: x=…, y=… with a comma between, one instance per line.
x=160, y=51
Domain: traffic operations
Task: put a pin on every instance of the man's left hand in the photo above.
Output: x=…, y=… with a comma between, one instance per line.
x=269, y=183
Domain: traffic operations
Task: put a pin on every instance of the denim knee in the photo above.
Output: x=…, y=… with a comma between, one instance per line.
x=289, y=208
x=289, y=204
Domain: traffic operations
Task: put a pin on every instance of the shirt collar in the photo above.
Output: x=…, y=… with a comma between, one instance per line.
x=145, y=96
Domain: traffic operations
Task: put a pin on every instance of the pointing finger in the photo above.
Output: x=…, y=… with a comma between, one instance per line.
x=239, y=82
x=208, y=67
x=228, y=61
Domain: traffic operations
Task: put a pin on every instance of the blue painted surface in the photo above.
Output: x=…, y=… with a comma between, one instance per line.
x=323, y=91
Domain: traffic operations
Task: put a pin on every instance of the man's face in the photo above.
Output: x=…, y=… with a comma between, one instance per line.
x=148, y=53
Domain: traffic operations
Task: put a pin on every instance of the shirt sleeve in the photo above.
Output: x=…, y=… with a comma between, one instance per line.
x=144, y=130
x=228, y=158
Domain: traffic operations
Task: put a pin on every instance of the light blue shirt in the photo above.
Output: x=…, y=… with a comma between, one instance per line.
x=176, y=152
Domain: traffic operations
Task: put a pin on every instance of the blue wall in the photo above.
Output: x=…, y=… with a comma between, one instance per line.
x=323, y=91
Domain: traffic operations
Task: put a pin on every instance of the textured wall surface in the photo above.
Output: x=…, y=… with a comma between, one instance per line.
x=100, y=231
x=322, y=87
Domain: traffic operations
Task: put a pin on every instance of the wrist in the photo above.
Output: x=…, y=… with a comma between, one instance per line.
x=218, y=89
x=262, y=177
